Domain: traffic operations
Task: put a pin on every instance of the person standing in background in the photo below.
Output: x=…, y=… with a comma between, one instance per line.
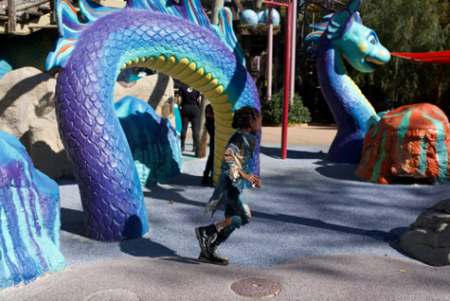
x=209, y=124
x=190, y=111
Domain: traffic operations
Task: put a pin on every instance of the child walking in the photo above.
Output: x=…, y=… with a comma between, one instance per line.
x=230, y=185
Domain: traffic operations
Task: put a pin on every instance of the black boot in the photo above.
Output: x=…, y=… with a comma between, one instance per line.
x=214, y=258
x=204, y=236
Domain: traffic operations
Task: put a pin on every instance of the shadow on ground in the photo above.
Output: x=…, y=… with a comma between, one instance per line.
x=340, y=171
x=182, y=179
x=390, y=237
x=144, y=247
x=273, y=152
x=72, y=221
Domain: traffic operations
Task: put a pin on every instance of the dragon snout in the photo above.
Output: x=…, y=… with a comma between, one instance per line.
x=374, y=60
x=378, y=56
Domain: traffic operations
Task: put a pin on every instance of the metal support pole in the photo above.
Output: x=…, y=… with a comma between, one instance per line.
x=216, y=6
x=276, y=63
x=287, y=72
x=293, y=46
x=269, y=55
x=303, y=46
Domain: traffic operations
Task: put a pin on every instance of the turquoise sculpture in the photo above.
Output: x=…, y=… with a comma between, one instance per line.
x=171, y=37
x=344, y=36
x=153, y=141
x=29, y=217
x=4, y=68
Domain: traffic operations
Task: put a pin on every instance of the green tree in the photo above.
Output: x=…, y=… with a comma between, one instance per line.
x=272, y=111
x=406, y=26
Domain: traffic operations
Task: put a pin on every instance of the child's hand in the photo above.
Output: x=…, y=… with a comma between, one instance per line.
x=258, y=183
x=252, y=179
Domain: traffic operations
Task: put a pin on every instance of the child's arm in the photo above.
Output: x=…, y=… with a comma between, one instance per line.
x=251, y=178
x=234, y=163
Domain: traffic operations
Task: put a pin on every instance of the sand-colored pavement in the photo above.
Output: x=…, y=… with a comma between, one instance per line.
x=316, y=134
x=302, y=135
x=335, y=277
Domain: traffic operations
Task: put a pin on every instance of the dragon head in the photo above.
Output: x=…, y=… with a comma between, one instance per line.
x=358, y=44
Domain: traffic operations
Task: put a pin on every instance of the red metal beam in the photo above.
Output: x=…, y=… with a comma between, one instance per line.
x=287, y=80
x=276, y=3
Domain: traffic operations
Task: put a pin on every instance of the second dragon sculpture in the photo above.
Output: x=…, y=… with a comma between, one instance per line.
x=172, y=37
x=345, y=37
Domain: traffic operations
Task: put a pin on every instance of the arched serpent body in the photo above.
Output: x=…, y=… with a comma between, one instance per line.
x=112, y=198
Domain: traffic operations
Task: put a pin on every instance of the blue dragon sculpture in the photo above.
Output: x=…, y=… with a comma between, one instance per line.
x=153, y=141
x=344, y=35
x=29, y=217
x=172, y=37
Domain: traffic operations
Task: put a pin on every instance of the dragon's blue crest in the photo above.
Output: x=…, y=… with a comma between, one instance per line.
x=336, y=26
x=72, y=23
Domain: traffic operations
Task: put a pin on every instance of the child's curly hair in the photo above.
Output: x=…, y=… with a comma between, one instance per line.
x=243, y=116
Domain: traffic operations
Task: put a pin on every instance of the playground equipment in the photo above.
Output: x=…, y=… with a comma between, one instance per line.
x=345, y=36
x=410, y=141
x=172, y=37
x=153, y=141
x=30, y=217
x=290, y=52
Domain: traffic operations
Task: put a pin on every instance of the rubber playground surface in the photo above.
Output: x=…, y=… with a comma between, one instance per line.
x=316, y=229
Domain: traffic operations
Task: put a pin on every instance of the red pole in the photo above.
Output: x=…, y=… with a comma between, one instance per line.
x=287, y=80
x=269, y=55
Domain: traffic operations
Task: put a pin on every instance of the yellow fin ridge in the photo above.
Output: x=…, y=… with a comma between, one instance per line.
x=203, y=81
x=187, y=72
x=214, y=93
x=220, y=100
x=194, y=77
x=169, y=65
x=179, y=67
x=160, y=62
x=211, y=85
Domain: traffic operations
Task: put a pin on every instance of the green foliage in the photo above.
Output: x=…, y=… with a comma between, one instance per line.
x=406, y=26
x=273, y=110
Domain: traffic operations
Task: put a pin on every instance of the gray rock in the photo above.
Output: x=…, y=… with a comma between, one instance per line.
x=27, y=110
x=156, y=90
x=428, y=239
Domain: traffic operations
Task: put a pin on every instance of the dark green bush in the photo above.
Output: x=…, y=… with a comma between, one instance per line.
x=273, y=110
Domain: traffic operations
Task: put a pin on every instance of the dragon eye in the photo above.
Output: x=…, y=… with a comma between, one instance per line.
x=372, y=40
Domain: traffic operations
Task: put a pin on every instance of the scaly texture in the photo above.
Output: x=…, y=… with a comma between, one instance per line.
x=29, y=217
x=410, y=141
x=93, y=53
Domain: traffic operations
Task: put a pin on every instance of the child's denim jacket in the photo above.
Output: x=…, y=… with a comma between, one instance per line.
x=230, y=184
